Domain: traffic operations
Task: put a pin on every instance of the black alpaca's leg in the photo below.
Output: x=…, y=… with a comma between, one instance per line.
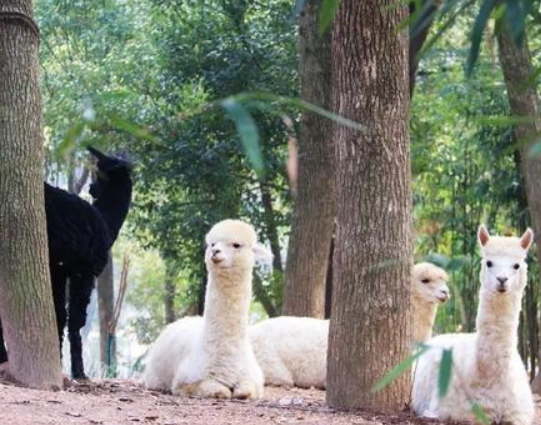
x=3, y=352
x=80, y=291
x=58, y=278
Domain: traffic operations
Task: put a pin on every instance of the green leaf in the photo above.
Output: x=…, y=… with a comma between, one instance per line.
x=515, y=18
x=129, y=127
x=69, y=141
x=477, y=33
x=248, y=133
x=480, y=414
x=400, y=368
x=438, y=259
x=299, y=103
x=535, y=150
x=327, y=12
x=444, y=376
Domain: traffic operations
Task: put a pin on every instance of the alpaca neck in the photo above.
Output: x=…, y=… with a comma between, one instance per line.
x=424, y=316
x=498, y=318
x=227, y=304
x=114, y=203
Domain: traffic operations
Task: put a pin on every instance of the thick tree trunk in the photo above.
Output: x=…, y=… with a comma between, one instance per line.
x=271, y=229
x=370, y=330
x=517, y=69
x=315, y=207
x=106, y=306
x=170, y=291
x=26, y=301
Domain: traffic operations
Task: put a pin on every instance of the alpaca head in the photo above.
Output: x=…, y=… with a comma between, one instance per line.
x=503, y=267
x=232, y=245
x=430, y=283
x=110, y=169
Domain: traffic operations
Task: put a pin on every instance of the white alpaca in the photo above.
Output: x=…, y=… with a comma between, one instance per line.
x=487, y=368
x=211, y=356
x=292, y=351
x=429, y=290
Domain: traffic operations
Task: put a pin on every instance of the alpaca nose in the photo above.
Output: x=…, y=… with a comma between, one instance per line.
x=444, y=295
x=501, y=286
x=216, y=251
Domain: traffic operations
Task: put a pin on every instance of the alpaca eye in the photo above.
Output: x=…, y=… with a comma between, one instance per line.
x=237, y=245
x=212, y=245
x=489, y=263
x=516, y=266
x=425, y=280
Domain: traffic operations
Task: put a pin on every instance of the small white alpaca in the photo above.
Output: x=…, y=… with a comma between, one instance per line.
x=487, y=368
x=292, y=351
x=211, y=356
x=429, y=291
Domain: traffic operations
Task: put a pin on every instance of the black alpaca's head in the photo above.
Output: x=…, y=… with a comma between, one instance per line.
x=110, y=170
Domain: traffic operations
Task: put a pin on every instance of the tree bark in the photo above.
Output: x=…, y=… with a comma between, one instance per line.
x=370, y=328
x=106, y=306
x=314, y=211
x=169, y=291
x=523, y=101
x=26, y=301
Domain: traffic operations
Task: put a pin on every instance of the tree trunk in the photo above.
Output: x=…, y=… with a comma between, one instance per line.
x=170, y=291
x=26, y=301
x=315, y=207
x=370, y=330
x=517, y=69
x=270, y=227
x=106, y=306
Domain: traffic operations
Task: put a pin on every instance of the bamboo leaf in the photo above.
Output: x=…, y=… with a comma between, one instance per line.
x=480, y=414
x=248, y=133
x=516, y=20
x=70, y=139
x=444, y=376
x=327, y=12
x=129, y=127
x=535, y=150
x=400, y=368
x=477, y=33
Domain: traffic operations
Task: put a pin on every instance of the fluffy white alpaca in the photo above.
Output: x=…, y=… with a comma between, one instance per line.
x=292, y=351
x=211, y=356
x=428, y=292
x=487, y=368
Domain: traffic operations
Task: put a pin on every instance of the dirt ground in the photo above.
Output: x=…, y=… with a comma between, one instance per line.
x=118, y=402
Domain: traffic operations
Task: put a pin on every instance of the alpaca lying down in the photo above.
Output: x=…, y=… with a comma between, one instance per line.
x=211, y=356
x=292, y=351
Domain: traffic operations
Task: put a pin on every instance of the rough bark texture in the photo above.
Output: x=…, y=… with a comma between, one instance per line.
x=169, y=291
x=106, y=306
x=26, y=302
x=312, y=225
x=517, y=69
x=370, y=329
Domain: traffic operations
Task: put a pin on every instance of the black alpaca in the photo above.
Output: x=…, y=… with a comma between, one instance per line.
x=80, y=237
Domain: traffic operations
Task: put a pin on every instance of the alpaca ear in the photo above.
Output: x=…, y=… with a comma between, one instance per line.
x=526, y=239
x=262, y=254
x=96, y=153
x=482, y=235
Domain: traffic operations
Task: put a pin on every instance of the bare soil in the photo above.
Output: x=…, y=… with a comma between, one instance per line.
x=118, y=402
